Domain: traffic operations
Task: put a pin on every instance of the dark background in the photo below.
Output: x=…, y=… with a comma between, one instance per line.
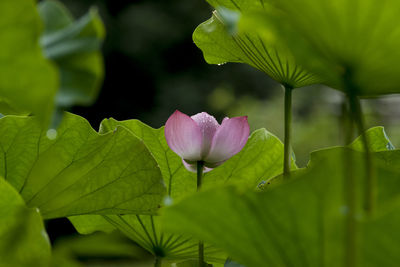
x=152, y=65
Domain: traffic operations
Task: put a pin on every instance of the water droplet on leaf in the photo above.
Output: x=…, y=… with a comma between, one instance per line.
x=51, y=134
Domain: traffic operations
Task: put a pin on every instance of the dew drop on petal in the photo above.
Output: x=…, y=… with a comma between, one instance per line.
x=208, y=125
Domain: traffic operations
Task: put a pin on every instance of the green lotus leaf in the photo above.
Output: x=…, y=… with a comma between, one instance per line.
x=77, y=170
x=378, y=140
x=381, y=232
x=221, y=41
x=351, y=45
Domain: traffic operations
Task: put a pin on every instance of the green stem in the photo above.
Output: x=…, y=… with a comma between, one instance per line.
x=370, y=178
x=200, y=167
x=350, y=196
x=201, y=254
x=288, y=122
x=157, y=262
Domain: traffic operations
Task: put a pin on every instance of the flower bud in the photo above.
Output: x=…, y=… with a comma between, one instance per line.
x=202, y=138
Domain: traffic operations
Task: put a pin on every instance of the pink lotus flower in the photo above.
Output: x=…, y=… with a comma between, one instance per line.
x=201, y=138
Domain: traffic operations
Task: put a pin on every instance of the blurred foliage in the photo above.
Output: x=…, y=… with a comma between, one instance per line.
x=74, y=46
x=28, y=82
x=23, y=240
x=341, y=41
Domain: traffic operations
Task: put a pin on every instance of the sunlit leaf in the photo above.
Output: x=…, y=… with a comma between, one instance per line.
x=78, y=171
x=378, y=140
x=75, y=48
x=28, y=82
x=177, y=179
x=222, y=42
x=298, y=223
x=23, y=240
x=260, y=160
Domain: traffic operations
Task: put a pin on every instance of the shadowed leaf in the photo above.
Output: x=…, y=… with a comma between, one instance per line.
x=298, y=223
x=351, y=45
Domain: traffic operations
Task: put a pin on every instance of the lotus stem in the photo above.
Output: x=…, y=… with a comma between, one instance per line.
x=201, y=254
x=288, y=126
x=157, y=262
x=370, y=178
x=200, y=167
x=350, y=195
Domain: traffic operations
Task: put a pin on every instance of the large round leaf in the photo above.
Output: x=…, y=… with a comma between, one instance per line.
x=352, y=45
x=79, y=171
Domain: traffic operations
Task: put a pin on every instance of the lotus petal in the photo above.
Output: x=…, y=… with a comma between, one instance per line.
x=184, y=136
x=229, y=139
